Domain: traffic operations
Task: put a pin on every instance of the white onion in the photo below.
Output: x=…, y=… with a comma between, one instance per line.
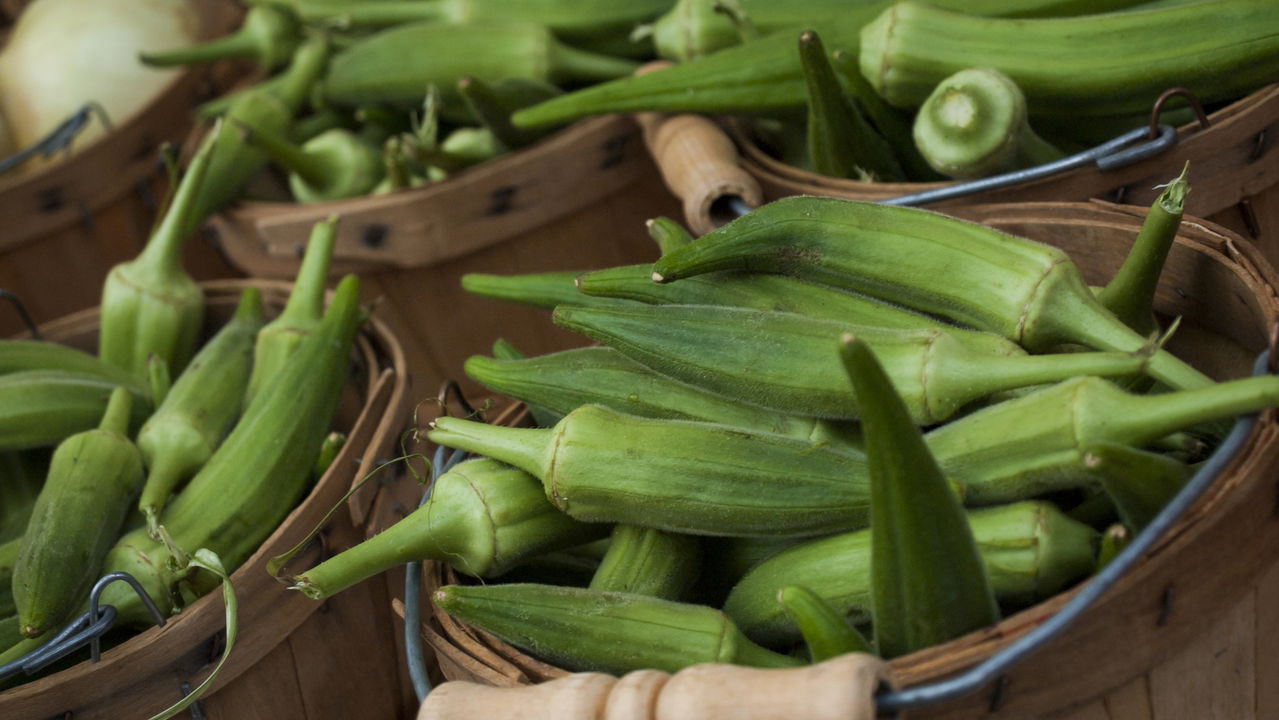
x=64, y=53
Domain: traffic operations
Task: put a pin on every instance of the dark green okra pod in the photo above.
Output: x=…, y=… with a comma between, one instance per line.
x=1139, y=483
x=645, y=561
x=483, y=518
x=827, y=633
x=582, y=629
x=928, y=583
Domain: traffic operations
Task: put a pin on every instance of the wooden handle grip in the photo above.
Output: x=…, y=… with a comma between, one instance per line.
x=699, y=164
x=841, y=688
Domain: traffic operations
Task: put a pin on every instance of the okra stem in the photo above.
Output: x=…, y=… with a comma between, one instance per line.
x=311, y=168
x=306, y=301
x=544, y=290
x=268, y=35
x=525, y=448
x=235, y=45
x=163, y=253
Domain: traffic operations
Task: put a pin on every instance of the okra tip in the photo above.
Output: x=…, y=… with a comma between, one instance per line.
x=307, y=588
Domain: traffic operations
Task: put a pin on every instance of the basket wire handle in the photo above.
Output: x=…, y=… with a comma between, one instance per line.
x=86, y=629
x=21, y=309
x=994, y=667
x=59, y=139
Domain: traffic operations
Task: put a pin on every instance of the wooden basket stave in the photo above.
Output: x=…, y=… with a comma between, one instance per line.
x=1132, y=642
x=286, y=641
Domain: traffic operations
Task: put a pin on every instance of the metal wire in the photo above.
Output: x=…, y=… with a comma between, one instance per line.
x=21, y=309
x=996, y=665
x=60, y=138
x=413, y=648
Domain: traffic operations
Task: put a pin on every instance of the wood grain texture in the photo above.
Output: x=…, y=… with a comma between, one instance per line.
x=1213, y=676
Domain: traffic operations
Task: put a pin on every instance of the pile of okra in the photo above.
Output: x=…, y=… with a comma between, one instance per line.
x=826, y=426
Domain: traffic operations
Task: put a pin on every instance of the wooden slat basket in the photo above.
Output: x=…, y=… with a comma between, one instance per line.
x=1189, y=631
x=578, y=198
x=1234, y=174
x=75, y=219
x=294, y=658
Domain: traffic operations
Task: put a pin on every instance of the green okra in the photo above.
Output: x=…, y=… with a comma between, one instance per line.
x=758, y=76
x=974, y=124
x=268, y=36
x=159, y=381
x=17, y=355
x=827, y=633
x=10, y=633
x=785, y=362
x=1030, y=551
x=589, y=630
x=751, y=290
x=8, y=559
x=93, y=477
x=645, y=561
x=1130, y=294
x=21, y=475
x=268, y=106
x=894, y=125
x=393, y=66
x=667, y=233
x=493, y=103
x=503, y=350
x=334, y=165
x=40, y=408
x=841, y=143
x=599, y=465
x=564, y=381
x=483, y=518
x=1101, y=64
x=928, y=584
x=1026, y=291
x=1034, y=444
x=150, y=305
x=256, y=475
x=1140, y=483
x=303, y=311
x=186, y=428
x=543, y=290
x=1113, y=541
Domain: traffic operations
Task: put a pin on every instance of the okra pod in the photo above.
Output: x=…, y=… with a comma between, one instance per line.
x=1113, y=541
x=928, y=584
x=268, y=36
x=1140, y=483
x=1099, y=64
x=492, y=104
x=483, y=518
x=303, y=311
x=543, y=290
x=197, y=413
x=17, y=355
x=93, y=477
x=41, y=408
x=21, y=475
x=1030, y=551
x=1026, y=291
x=334, y=165
x=841, y=143
x=892, y=124
x=1130, y=294
x=644, y=561
x=827, y=633
x=786, y=362
x=667, y=233
x=8, y=559
x=974, y=124
x=582, y=629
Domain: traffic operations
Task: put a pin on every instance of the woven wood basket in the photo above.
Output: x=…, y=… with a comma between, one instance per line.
x=294, y=658
x=1234, y=170
x=1189, y=632
x=577, y=199
x=73, y=220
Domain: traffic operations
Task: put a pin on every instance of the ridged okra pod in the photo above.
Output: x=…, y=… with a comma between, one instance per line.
x=1101, y=64
x=93, y=477
x=256, y=475
x=333, y=165
x=1031, y=445
x=827, y=633
x=21, y=475
x=268, y=36
x=303, y=311
x=543, y=290
x=395, y=65
x=928, y=584
x=8, y=559
x=667, y=234
x=645, y=561
x=564, y=381
x=582, y=629
x=43, y=407
x=750, y=290
x=841, y=143
x=198, y=411
x=18, y=355
x=268, y=106
x=1140, y=483
x=1130, y=294
x=150, y=305
x=483, y=518
x=1028, y=292
x=787, y=362
x=599, y=465
x=892, y=124
x=974, y=124
x=1030, y=551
